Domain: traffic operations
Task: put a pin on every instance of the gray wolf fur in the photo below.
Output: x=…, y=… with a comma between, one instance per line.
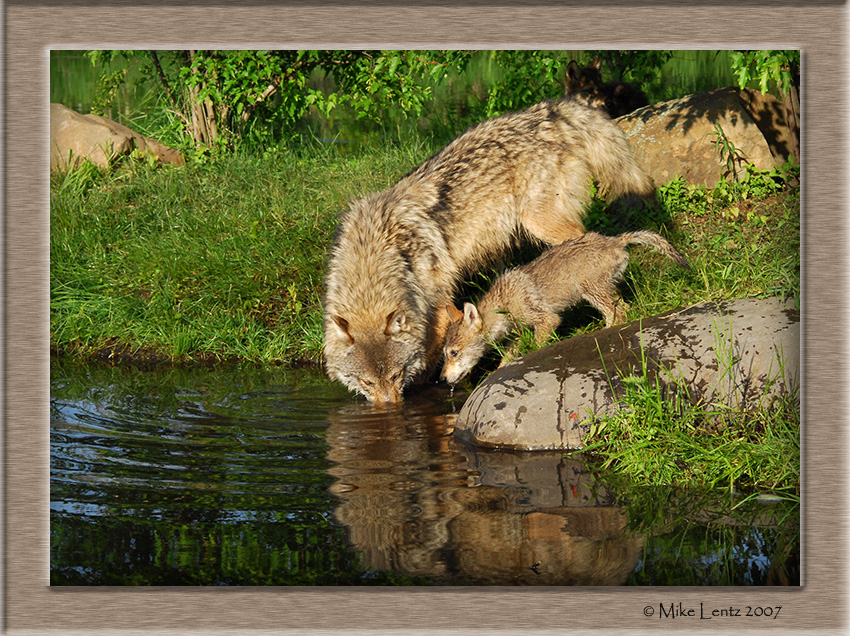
x=615, y=98
x=399, y=254
x=587, y=268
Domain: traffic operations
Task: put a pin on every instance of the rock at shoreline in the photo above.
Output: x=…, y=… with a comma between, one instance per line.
x=737, y=353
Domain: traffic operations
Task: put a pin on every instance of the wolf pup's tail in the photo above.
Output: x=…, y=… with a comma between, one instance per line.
x=656, y=241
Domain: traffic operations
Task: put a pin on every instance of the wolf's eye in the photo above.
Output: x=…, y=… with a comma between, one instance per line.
x=365, y=382
x=453, y=353
x=396, y=377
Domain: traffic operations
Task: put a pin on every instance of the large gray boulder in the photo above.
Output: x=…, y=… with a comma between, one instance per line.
x=75, y=137
x=737, y=353
x=677, y=137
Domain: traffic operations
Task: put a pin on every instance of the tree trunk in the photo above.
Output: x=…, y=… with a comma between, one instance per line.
x=792, y=105
x=204, y=128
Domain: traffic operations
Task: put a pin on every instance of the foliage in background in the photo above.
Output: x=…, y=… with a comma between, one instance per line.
x=637, y=67
x=220, y=99
x=782, y=68
x=526, y=77
x=220, y=96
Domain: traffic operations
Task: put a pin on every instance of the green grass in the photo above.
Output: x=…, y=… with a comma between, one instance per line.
x=661, y=435
x=221, y=259
x=225, y=257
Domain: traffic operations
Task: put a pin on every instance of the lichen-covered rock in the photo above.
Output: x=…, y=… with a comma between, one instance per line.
x=738, y=353
x=677, y=137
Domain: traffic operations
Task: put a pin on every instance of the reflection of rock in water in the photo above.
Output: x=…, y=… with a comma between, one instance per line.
x=418, y=503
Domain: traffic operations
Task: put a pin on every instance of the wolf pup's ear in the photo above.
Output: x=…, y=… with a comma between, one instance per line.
x=396, y=323
x=471, y=316
x=341, y=329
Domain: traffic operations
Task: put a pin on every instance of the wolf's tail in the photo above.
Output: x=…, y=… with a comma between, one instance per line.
x=656, y=241
x=614, y=164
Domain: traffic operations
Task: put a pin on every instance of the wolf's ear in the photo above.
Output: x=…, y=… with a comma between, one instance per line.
x=471, y=316
x=396, y=323
x=573, y=71
x=596, y=63
x=454, y=313
x=341, y=329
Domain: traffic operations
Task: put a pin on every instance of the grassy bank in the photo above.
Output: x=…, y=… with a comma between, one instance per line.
x=225, y=258
x=659, y=435
x=216, y=259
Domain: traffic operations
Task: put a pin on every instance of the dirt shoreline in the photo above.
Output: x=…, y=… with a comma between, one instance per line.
x=149, y=358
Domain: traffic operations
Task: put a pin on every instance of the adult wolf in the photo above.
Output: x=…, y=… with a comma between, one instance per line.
x=588, y=268
x=615, y=98
x=399, y=254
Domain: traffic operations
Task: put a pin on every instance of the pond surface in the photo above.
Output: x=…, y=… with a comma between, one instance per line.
x=241, y=476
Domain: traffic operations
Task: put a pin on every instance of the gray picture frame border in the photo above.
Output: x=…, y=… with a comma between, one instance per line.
x=31, y=29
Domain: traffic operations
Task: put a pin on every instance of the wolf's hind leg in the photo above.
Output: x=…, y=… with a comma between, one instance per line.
x=555, y=231
x=554, y=219
x=609, y=303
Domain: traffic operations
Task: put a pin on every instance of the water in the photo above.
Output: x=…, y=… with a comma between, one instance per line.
x=241, y=476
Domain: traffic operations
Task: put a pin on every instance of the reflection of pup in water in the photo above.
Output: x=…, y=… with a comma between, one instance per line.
x=399, y=254
x=615, y=98
x=588, y=268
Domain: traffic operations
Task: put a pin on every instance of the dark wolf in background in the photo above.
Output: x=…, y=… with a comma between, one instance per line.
x=585, y=85
x=587, y=268
x=399, y=254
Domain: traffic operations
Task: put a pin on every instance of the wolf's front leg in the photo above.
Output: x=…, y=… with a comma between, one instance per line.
x=511, y=354
x=437, y=337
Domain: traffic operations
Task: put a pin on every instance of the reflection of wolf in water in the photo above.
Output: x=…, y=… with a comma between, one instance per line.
x=467, y=517
x=615, y=98
x=399, y=254
x=535, y=294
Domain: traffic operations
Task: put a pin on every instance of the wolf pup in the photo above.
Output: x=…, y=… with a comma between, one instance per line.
x=534, y=294
x=399, y=254
x=615, y=98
